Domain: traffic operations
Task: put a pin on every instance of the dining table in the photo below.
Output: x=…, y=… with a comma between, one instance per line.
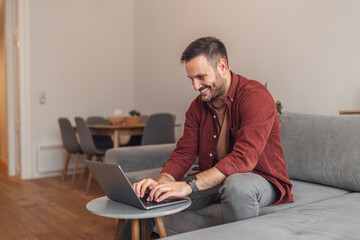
x=116, y=131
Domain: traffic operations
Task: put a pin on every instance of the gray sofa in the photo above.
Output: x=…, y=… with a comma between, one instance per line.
x=322, y=154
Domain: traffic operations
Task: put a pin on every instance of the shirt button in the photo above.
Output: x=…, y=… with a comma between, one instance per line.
x=210, y=154
x=214, y=116
x=214, y=136
x=232, y=100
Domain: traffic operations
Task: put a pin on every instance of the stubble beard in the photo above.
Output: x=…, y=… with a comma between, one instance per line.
x=216, y=91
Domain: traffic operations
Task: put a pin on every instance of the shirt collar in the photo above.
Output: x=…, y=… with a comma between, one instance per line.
x=235, y=79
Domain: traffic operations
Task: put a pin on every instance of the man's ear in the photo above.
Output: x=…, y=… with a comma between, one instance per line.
x=222, y=66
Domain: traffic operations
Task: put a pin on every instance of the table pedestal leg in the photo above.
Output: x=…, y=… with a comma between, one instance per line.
x=119, y=229
x=160, y=226
x=116, y=139
x=135, y=229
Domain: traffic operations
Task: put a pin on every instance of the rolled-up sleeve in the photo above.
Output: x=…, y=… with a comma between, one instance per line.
x=187, y=148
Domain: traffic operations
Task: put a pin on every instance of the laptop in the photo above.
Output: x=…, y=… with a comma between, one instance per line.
x=117, y=186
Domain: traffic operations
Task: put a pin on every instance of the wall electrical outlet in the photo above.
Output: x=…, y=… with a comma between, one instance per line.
x=42, y=98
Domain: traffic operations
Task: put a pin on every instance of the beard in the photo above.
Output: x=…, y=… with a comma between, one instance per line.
x=217, y=89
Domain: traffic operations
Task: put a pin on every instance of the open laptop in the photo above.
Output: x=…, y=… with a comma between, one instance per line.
x=117, y=187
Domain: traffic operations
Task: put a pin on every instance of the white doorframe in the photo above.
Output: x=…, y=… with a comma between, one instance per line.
x=25, y=94
x=17, y=16
x=9, y=26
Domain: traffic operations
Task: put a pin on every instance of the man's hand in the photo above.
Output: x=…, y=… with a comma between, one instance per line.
x=165, y=185
x=141, y=187
x=205, y=180
x=170, y=189
x=148, y=183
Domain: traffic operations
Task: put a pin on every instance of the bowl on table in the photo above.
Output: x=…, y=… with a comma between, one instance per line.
x=117, y=120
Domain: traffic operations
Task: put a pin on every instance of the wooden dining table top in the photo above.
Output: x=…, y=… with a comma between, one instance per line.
x=118, y=130
x=121, y=126
x=115, y=127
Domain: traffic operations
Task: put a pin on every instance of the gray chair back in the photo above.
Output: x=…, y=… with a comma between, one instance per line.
x=86, y=141
x=100, y=141
x=159, y=129
x=97, y=120
x=68, y=136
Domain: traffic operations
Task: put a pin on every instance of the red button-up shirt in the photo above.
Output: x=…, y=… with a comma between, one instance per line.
x=253, y=131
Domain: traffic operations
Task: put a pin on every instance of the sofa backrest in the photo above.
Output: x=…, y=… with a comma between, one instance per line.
x=322, y=149
x=137, y=158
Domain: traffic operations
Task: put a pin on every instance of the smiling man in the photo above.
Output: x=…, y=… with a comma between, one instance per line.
x=232, y=127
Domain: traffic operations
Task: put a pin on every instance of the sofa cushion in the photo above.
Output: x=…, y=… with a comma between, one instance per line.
x=136, y=176
x=304, y=193
x=322, y=149
x=335, y=218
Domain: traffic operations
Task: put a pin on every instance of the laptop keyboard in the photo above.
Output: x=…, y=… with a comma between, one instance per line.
x=166, y=202
x=148, y=203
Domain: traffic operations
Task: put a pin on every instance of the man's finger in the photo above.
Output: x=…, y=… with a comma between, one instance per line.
x=153, y=192
x=165, y=196
x=160, y=191
x=145, y=186
x=137, y=186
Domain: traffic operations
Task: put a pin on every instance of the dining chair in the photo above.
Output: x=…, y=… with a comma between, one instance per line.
x=101, y=141
x=71, y=145
x=88, y=147
x=159, y=129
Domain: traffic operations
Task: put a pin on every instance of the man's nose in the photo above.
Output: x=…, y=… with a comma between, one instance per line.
x=197, y=85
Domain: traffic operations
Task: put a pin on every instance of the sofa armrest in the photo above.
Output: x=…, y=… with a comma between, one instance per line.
x=140, y=157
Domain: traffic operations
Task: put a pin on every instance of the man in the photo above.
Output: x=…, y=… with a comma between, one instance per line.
x=233, y=129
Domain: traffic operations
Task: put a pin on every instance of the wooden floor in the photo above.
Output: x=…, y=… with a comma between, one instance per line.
x=43, y=209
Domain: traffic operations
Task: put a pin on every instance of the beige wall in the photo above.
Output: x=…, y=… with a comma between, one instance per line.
x=3, y=110
x=307, y=51
x=90, y=57
x=81, y=57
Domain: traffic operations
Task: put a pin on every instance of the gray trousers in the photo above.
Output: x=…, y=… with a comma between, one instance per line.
x=241, y=196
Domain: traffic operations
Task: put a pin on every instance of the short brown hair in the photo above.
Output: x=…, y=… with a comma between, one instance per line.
x=212, y=48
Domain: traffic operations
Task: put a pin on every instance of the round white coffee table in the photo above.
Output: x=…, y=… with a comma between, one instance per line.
x=105, y=207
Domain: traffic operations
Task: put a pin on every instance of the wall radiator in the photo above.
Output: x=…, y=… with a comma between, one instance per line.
x=51, y=158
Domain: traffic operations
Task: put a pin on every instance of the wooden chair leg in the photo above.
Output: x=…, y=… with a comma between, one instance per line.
x=160, y=226
x=83, y=170
x=135, y=230
x=66, y=163
x=88, y=183
x=119, y=229
x=144, y=229
x=90, y=177
x=75, y=169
